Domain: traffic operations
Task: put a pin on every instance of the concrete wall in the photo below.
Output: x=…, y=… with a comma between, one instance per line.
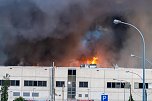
x=97, y=79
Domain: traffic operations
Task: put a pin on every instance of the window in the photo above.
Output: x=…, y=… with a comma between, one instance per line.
x=44, y=83
x=30, y=83
x=123, y=85
x=35, y=94
x=59, y=83
x=26, y=94
x=71, y=72
x=40, y=83
x=113, y=84
x=17, y=83
x=83, y=84
x=14, y=83
x=80, y=95
x=108, y=84
x=35, y=83
x=16, y=93
x=118, y=85
x=86, y=95
x=140, y=85
x=25, y=83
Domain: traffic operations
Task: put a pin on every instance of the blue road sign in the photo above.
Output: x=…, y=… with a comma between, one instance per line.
x=104, y=97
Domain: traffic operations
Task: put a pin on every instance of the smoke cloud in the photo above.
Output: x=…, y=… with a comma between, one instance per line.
x=36, y=32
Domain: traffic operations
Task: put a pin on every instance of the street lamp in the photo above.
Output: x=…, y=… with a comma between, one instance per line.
x=143, y=53
x=124, y=84
x=141, y=79
x=132, y=55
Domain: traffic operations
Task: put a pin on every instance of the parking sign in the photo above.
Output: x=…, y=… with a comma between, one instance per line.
x=104, y=97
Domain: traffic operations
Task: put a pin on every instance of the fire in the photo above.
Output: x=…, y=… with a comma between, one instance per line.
x=93, y=60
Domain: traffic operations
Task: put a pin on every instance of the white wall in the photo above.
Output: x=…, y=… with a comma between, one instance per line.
x=97, y=79
x=27, y=73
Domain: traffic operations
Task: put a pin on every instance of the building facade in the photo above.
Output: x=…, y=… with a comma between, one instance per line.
x=85, y=83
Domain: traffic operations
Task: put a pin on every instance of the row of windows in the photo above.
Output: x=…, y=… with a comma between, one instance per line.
x=118, y=85
x=140, y=85
x=83, y=84
x=26, y=94
x=26, y=83
x=80, y=95
x=127, y=85
x=71, y=84
x=109, y=85
x=12, y=82
x=35, y=83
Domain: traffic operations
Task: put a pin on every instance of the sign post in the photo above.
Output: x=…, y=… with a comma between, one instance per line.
x=104, y=97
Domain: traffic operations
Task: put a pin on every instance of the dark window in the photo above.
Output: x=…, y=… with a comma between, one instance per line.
x=73, y=96
x=59, y=83
x=0, y=82
x=69, y=89
x=25, y=83
x=74, y=72
x=146, y=85
x=117, y=85
x=30, y=83
x=108, y=84
x=83, y=84
x=71, y=72
x=86, y=95
x=80, y=95
x=122, y=85
x=40, y=83
x=17, y=83
x=44, y=83
x=113, y=84
x=12, y=82
x=140, y=85
x=35, y=83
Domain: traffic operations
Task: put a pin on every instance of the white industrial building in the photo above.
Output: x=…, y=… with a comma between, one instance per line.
x=85, y=83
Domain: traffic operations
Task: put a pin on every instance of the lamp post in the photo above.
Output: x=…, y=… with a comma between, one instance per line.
x=141, y=79
x=143, y=53
x=124, y=84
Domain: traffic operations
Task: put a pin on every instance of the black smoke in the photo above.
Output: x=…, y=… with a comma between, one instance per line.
x=33, y=32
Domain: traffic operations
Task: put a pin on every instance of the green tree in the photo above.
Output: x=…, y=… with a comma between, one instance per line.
x=4, y=87
x=131, y=98
x=19, y=99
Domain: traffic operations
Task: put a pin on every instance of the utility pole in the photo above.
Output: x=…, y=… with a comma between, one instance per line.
x=63, y=92
x=130, y=91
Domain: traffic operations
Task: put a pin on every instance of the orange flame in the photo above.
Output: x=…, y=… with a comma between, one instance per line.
x=93, y=60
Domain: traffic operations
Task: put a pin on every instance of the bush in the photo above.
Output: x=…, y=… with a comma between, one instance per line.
x=19, y=99
x=130, y=98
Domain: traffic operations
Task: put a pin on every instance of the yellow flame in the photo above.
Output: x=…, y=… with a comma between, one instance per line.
x=93, y=60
